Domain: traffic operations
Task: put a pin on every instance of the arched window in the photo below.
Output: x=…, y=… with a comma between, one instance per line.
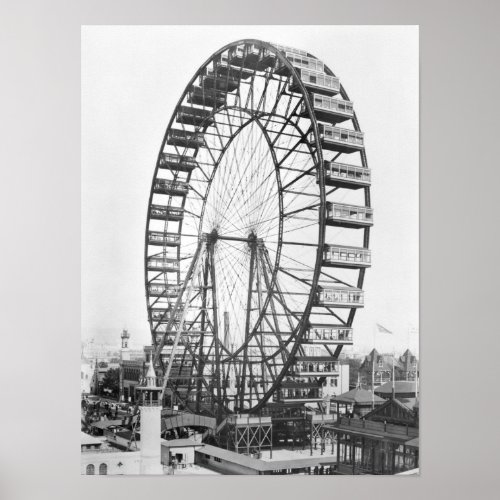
x=103, y=469
x=90, y=470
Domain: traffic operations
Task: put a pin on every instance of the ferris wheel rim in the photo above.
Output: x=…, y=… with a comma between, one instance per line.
x=297, y=336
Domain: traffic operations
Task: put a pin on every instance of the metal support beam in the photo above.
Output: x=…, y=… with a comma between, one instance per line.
x=215, y=331
x=253, y=248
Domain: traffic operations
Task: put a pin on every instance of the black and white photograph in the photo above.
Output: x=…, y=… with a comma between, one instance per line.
x=250, y=250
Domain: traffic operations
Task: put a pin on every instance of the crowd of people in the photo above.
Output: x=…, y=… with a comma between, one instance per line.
x=98, y=410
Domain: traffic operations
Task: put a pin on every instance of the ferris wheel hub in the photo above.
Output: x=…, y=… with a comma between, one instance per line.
x=213, y=236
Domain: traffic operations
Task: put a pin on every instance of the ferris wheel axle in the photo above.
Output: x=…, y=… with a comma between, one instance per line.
x=213, y=236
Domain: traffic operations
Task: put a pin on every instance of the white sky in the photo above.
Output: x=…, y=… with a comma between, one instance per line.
x=132, y=78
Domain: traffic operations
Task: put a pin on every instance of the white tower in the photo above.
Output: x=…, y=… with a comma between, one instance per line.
x=124, y=356
x=150, y=424
x=125, y=351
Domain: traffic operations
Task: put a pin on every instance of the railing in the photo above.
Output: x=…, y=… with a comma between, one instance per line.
x=225, y=83
x=311, y=367
x=246, y=419
x=329, y=334
x=207, y=97
x=340, y=296
x=163, y=185
x=349, y=212
x=157, y=237
x=163, y=212
x=183, y=135
x=236, y=72
x=347, y=255
x=316, y=418
x=398, y=430
x=158, y=263
x=191, y=111
x=305, y=62
x=164, y=289
x=284, y=48
x=170, y=158
x=319, y=79
x=341, y=135
x=300, y=394
x=343, y=171
x=327, y=103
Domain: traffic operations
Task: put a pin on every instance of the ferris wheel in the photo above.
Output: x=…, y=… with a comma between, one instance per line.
x=257, y=231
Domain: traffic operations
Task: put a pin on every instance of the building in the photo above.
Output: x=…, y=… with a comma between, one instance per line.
x=401, y=389
x=377, y=366
x=125, y=351
x=407, y=366
x=357, y=402
x=180, y=453
x=98, y=458
x=99, y=350
x=150, y=408
x=337, y=384
x=131, y=375
x=229, y=462
x=384, y=442
x=132, y=369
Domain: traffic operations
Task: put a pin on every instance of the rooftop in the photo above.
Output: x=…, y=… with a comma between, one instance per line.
x=88, y=440
x=359, y=396
x=400, y=386
x=182, y=443
x=413, y=442
x=286, y=460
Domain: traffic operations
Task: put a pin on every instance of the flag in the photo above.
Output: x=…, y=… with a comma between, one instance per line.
x=383, y=329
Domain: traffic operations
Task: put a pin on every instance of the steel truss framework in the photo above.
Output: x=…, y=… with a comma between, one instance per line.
x=254, y=437
x=257, y=231
x=323, y=435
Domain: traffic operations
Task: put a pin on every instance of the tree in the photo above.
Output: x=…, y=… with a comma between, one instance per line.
x=111, y=382
x=354, y=365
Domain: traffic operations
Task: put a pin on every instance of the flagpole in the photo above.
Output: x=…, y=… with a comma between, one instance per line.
x=416, y=381
x=373, y=378
x=373, y=366
x=393, y=373
x=374, y=335
x=393, y=376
